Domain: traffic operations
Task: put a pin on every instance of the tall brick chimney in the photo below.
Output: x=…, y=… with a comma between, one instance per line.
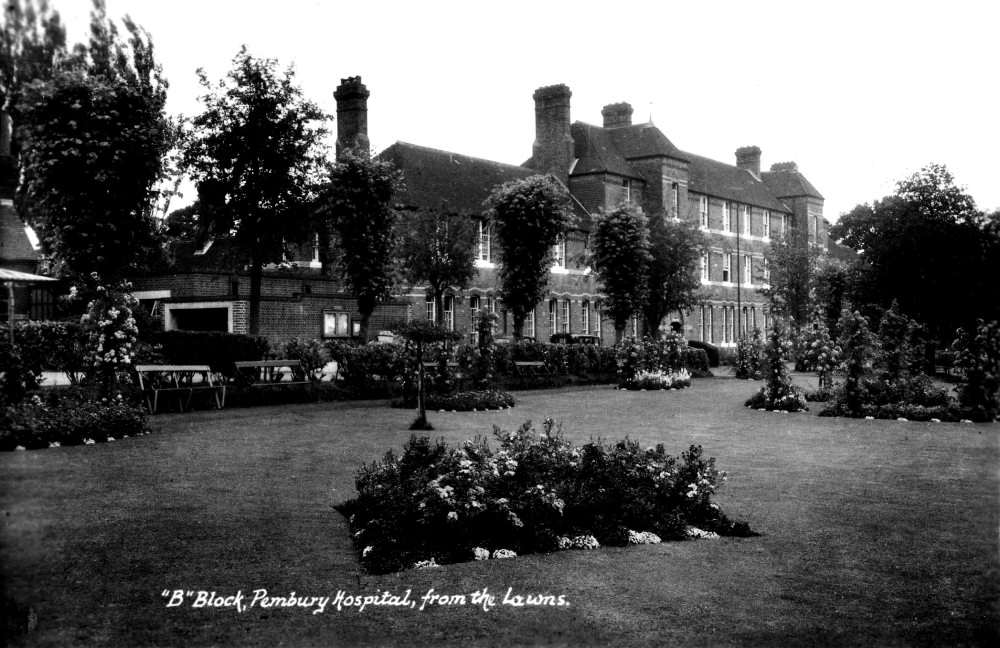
x=352, y=116
x=617, y=114
x=748, y=157
x=552, y=151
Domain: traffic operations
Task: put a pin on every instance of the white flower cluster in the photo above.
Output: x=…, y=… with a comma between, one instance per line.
x=504, y=553
x=695, y=533
x=480, y=553
x=642, y=537
x=578, y=542
x=425, y=564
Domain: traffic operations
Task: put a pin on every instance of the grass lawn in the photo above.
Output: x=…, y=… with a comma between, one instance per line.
x=873, y=532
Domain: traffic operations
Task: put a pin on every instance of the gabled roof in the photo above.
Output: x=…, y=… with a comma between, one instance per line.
x=14, y=243
x=608, y=150
x=785, y=181
x=436, y=178
x=730, y=182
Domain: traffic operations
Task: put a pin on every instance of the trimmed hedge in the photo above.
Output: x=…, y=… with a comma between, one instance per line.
x=218, y=350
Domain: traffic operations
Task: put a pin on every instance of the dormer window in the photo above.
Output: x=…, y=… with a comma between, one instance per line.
x=559, y=252
x=675, y=192
x=484, y=241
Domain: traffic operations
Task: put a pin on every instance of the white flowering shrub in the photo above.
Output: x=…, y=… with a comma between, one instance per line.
x=536, y=492
x=778, y=393
x=111, y=331
x=658, y=379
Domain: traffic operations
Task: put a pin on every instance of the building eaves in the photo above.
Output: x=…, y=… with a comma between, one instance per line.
x=721, y=180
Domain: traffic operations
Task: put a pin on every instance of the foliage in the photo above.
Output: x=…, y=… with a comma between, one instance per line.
x=529, y=217
x=368, y=368
x=32, y=41
x=793, y=266
x=711, y=352
x=256, y=154
x=778, y=393
x=111, y=332
x=859, y=347
x=978, y=356
x=929, y=248
x=438, y=248
x=69, y=418
x=818, y=352
x=311, y=353
x=673, y=282
x=900, y=353
x=19, y=374
x=436, y=503
x=216, y=349
x=748, y=356
x=356, y=205
x=466, y=401
x=634, y=355
x=621, y=259
x=834, y=288
x=649, y=380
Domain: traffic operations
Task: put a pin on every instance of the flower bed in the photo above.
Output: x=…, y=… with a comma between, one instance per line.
x=658, y=380
x=536, y=493
x=69, y=417
x=467, y=401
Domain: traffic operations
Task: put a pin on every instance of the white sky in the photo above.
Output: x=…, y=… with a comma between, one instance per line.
x=859, y=94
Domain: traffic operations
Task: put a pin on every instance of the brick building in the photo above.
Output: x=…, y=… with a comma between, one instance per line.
x=740, y=207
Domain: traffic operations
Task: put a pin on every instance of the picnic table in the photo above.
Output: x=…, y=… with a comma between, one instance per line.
x=181, y=380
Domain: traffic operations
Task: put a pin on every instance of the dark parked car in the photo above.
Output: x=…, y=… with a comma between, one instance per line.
x=575, y=338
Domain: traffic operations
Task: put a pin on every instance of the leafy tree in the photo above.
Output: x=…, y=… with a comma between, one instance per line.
x=673, y=280
x=357, y=206
x=438, y=247
x=530, y=216
x=92, y=140
x=793, y=265
x=32, y=43
x=621, y=259
x=927, y=246
x=256, y=156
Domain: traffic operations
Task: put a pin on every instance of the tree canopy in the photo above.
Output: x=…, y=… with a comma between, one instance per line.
x=257, y=155
x=621, y=258
x=356, y=205
x=438, y=247
x=529, y=218
x=793, y=264
x=673, y=280
x=92, y=136
x=929, y=247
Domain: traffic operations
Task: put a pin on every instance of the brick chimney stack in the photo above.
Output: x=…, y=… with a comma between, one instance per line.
x=748, y=157
x=784, y=166
x=617, y=114
x=352, y=116
x=552, y=151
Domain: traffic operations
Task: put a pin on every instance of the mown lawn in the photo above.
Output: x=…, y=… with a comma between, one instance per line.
x=873, y=533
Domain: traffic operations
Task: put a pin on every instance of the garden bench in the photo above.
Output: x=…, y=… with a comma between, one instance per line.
x=262, y=374
x=532, y=370
x=183, y=380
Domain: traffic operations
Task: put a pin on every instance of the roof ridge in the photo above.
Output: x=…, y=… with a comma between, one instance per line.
x=431, y=149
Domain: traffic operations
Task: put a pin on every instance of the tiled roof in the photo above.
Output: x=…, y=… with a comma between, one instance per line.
x=730, y=182
x=14, y=243
x=644, y=140
x=789, y=183
x=596, y=152
x=436, y=178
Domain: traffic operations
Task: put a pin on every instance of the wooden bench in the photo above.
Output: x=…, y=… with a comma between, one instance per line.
x=531, y=370
x=262, y=374
x=182, y=380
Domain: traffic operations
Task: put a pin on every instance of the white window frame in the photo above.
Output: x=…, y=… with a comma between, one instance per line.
x=485, y=235
x=704, y=267
x=675, y=198
x=626, y=190
x=585, y=316
x=746, y=219
x=564, y=315
x=529, y=324
x=474, y=306
x=449, y=311
x=784, y=225
x=727, y=267
x=703, y=208
x=727, y=214
x=767, y=224
x=559, y=252
x=767, y=271
x=552, y=317
x=747, y=269
x=430, y=308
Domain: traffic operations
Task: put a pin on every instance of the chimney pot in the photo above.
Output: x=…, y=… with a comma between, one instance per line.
x=552, y=151
x=352, y=116
x=784, y=166
x=748, y=157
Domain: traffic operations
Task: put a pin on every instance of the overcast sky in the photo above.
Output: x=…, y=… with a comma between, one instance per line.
x=859, y=94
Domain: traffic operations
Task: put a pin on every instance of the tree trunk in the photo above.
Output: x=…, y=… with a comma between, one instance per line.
x=519, y=324
x=256, y=271
x=421, y=408
x=366, y=315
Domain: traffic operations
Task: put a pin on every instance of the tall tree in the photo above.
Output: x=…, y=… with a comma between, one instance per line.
x=32, y=46
x=356, y=205
x=529, y=218
x=792, y=262
x=673, y=281
x=621, y=258
x=438, y=247
x=93, y=139
x=927, y=246
x=257, y=156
